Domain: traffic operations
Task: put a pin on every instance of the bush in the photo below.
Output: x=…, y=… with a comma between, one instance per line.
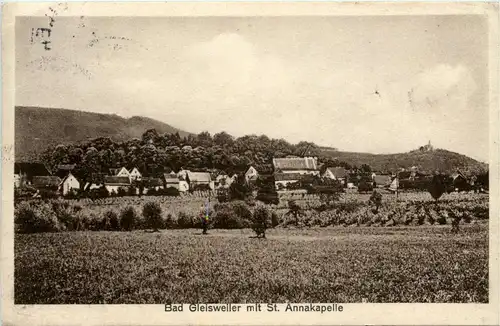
x=47, y=194
x=36, y=217
x=260, y=221
x=132, y=191
x=171, y=191
x=122, y=192
x=152, y=215
x=128, y=218
x=103, y=192
x=232, y=215
x=169, y=222
x=111, y=221
x=275, y=221
x=184, y=221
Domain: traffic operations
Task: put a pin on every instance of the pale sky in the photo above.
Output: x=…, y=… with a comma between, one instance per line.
x=366, y=84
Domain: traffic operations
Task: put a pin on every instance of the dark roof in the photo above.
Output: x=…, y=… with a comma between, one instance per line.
x=170, y=178
x=382, y=179
x=46, y=181
x=295, y=163
x=152, y=182
x=31, y=169
x=116, y=181
x=338, y=172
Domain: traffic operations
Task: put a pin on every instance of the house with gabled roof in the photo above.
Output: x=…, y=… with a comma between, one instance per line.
x=135, y=174
x=251, y=175
x=68, y=183
x=199, y=180
x=300, y=165
x=336, y=173
x=170, y=180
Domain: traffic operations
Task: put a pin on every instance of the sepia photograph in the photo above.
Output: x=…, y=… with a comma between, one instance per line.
x=223, y=159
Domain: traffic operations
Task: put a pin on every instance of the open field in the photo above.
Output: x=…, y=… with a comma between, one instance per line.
x=332, y=264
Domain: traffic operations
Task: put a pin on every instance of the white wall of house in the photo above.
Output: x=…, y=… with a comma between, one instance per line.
x=251, y=173
x=123, y=173
x=183, y=186
x=311, y=172
x=17, y=180
x=135, y=174
x=172, y=185
x=70, y=183
x=110, y=188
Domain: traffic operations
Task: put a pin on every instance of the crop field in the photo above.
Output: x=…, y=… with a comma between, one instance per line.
x=331, y=264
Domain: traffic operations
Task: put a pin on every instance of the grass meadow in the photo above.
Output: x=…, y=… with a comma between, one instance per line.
x=331, y=264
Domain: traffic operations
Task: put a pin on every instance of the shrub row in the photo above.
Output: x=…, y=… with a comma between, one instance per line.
x=60, y=215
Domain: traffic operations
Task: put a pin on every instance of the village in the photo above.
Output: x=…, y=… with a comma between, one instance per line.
x=288, y=174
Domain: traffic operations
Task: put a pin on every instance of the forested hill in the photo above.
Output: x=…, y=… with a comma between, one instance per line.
x=38, y=128
x=127, y=142
x=438, y=159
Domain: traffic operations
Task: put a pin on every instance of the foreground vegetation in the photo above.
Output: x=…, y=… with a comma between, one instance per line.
x=127, y=213
x=401, y=264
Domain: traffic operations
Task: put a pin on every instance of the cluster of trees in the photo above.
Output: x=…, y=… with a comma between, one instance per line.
x=155, y=154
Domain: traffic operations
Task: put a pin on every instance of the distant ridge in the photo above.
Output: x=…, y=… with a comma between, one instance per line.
x=37, y=128
x=430, y=161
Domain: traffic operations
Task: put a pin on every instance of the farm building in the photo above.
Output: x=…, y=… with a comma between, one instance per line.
x=293, y=165
x=46, y=182
x=199, y=180
x=170, y=180
x=337, y=173
x=68, y=183
x=112, y=183
x=24, y=172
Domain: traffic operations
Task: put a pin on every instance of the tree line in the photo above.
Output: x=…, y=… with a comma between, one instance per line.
x=155, y=154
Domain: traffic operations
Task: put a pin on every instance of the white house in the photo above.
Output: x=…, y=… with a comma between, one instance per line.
x=251, y=174
x=135, y=174
x=69, y=182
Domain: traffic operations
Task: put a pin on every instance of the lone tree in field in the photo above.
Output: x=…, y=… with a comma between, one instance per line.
x=376, y=199
x=295, y=210
x=152, y=214
x=260, y=221
x=437, y=187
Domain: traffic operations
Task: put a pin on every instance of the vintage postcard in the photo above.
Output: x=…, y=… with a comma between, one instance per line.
x=250, y=163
